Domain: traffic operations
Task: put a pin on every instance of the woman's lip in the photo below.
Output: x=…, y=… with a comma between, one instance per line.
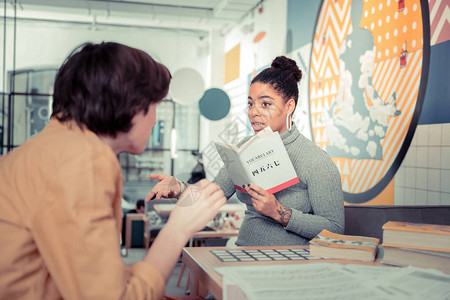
x=257, y=126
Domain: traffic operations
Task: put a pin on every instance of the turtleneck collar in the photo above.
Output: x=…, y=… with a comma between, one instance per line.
x=290, y=136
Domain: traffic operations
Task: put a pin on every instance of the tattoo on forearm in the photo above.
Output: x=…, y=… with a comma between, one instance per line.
x=285, y=214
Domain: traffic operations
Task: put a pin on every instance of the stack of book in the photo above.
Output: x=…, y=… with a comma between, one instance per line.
x=417, y=245
x=339, y=246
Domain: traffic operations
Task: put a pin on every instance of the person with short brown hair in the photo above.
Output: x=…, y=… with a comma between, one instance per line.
x=60, y=201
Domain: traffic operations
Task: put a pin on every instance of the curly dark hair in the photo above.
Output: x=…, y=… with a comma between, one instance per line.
x=103, y=86
x=284, y=76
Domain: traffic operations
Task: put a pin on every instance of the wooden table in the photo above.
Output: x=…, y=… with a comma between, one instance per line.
x=208, y=234
x=201, y=263
x=225, y=232
x=166, y=208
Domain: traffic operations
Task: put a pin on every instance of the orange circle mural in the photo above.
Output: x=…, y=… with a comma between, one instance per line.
x=367, y=79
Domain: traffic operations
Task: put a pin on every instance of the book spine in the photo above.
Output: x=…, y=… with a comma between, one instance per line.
x=240, y=188
x=416, y=247
x=283, y=185
x=443, y=230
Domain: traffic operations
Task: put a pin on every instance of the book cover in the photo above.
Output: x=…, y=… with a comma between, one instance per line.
x=332, y=245
x=417, y=235
x=418, y=227
x=439, y=260
x=262, y=161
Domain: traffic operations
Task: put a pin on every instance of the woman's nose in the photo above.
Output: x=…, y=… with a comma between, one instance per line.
x=253, y=110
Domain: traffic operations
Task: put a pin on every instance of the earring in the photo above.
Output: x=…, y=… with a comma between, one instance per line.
x=288, y=123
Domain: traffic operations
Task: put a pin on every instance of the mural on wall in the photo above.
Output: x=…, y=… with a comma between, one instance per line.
x=372, y=72
x=232, y=64
x=365, y=86
x=368, y=71
x=301, y=114
x=301, y=19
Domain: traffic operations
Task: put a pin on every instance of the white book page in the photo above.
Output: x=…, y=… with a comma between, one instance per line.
x=262, y=134
x=234, y=166
x=333, y=281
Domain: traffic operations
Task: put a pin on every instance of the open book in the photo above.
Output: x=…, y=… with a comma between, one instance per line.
x=262, y=161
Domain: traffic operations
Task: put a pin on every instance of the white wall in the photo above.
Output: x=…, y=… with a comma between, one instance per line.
x=41, y=44
x=44, y=44
x=253, y=56
x=215, y=78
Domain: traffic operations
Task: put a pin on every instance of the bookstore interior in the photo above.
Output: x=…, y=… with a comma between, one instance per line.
x=392, y=148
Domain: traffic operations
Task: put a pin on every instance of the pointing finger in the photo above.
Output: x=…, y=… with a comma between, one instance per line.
x=150, y=196
x=157, y=176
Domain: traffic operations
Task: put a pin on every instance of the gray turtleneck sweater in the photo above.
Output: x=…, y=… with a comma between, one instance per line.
x=317, y=201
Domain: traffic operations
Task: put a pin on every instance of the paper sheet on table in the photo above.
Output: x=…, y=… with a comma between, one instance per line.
x=332, y=281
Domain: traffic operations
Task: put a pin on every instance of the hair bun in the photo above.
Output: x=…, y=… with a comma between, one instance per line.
x=286, y=64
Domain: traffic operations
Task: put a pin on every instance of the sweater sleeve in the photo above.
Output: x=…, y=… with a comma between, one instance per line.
x=326, y=199
x=226, y=184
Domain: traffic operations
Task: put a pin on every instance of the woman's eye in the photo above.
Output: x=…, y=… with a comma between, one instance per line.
x=266, y=104
x=250, y=104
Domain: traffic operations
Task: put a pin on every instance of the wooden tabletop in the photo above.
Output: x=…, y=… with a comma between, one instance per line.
x=201, y=263
x=166, y=208
x=222, y=233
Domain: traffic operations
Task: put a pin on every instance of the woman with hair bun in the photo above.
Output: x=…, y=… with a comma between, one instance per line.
x=295, y=215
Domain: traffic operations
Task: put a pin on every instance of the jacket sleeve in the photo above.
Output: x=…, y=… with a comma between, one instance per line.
x=76, y=229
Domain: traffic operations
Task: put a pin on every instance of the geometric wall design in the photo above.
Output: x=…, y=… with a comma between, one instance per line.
x=439, y=21
x=365, y=86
